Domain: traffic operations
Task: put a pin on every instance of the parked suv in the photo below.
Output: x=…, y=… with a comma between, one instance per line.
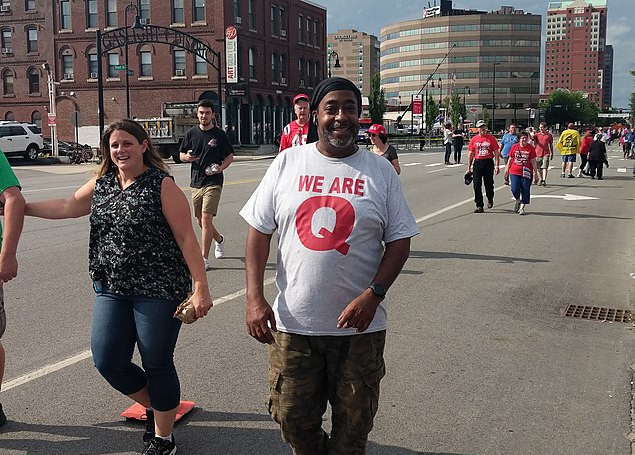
x=23, y=139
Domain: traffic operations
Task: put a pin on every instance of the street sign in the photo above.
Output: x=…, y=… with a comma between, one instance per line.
x=52, y=119
x=231, y=55
x=130, y=73
x=120, y=67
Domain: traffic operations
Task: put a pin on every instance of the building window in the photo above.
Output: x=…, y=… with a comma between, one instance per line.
x=31, y=39
x=252, y=63
x=6, y=42
x=300, y=29
x=283, y=23
x=92, y=63
x=307, y=36
x=34, y=82
x=239, y=61
x=274, y=20
x=36, y=119
x=91, y=14
x=316, y=37
x=301, y=71
x=145, y=10
x=237, y=17
x=252, y=14
x=10, y=116
x=113, y=60
x=200, y=66
x=309, y=80
x=179, y=62
x=274, y=61
x=145, y=63
x=29, y=5
x=67, y=65
x=178, y=16
x=111, y=13
x=318, y=72
x=283, y=69
x=65, y=14
x=7, y=82
x=198, y=10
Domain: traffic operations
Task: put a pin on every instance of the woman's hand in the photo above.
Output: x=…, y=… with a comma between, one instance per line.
x=202, y=301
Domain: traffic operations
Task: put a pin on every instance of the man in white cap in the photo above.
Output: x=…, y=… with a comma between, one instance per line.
x=295, y=133
x=484, y=154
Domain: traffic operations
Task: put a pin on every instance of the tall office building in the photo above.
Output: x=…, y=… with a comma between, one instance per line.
x=575, y=57
x=493, y=59
x=358, y=56
x=608, y=76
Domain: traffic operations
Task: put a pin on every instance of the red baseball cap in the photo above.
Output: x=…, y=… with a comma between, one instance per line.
x=301, y=96
x=376, y=128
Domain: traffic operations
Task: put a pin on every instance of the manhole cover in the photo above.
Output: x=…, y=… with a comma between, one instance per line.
x=596, y=313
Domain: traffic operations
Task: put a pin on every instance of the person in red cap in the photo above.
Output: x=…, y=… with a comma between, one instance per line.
x=380, y=145
x=295, y=133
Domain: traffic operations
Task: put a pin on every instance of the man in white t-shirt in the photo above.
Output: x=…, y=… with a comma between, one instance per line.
x=344, y=229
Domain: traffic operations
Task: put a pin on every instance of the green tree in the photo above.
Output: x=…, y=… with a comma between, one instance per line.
x=432, y=110
x=456, y=109
x=486, y=116
x=376, y=101
x=564, y=106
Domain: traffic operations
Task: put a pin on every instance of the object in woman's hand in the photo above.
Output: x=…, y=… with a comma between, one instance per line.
x=185, y=312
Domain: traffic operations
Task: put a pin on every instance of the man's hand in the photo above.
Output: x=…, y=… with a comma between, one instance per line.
x=496, y=170
x=360, y=312
x=8, y=267
x=260, y=320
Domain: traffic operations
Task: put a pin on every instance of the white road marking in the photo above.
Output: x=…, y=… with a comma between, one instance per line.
x=53, y=367
x=451, y=207
x=434, y=164
x=566, y=197
x=410, y=164
x=621, y=169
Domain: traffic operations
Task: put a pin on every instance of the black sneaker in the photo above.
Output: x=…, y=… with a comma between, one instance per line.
x=478, y=210
x=3, y=418
x=160, y=446
x=571, y=176
x=148, y=434
x=490, y=203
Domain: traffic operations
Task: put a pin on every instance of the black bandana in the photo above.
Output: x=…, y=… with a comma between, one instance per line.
x=331, y=84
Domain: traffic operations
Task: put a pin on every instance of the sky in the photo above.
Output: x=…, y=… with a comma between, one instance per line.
x=371, y=15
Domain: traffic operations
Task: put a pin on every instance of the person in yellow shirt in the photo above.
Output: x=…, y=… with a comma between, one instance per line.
x=569, y=146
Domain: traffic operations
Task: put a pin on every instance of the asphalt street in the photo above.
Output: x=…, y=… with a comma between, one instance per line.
x=481, y=358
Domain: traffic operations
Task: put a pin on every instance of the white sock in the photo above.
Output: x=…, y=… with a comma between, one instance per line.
x=166, y=438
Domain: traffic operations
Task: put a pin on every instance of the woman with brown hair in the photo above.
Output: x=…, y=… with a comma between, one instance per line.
x=139, y=228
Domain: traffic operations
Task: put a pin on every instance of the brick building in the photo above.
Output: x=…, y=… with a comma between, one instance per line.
x=281, y=51
x=358, y=55
x=575, y=52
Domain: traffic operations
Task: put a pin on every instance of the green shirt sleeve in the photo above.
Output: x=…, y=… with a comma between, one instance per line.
x=7, y=180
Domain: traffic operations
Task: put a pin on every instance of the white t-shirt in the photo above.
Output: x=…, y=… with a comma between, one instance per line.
x=332, y=216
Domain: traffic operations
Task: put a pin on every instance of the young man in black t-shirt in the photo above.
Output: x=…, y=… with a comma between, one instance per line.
x=208, y=149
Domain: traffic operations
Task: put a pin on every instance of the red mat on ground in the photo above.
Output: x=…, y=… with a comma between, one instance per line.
x=138, y=412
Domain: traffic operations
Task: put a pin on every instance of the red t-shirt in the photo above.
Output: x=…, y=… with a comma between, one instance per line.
x=483, y=146
x=521, y=160
x=292, y=135
x=542, y=141
x=586, y=145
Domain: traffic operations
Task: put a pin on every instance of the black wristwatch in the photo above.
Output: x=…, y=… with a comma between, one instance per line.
x=379, y=290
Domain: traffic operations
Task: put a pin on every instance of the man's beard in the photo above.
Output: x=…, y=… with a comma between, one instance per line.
x=340, y=143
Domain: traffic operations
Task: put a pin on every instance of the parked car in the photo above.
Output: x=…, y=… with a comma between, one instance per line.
x=20, y=139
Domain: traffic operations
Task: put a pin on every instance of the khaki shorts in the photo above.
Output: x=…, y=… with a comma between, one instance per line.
x=206, y=199
x=3, y=315
x=306, y=372
x=543, y=162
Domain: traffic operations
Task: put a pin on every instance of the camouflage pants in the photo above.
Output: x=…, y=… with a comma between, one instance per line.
x=307, y=371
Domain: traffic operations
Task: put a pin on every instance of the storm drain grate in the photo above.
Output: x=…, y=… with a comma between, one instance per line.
x=596, y=313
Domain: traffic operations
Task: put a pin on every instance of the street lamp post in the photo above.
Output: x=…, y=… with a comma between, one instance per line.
x=135, y=25
x=337, y=61
x=494, y=95
x=466, y=89
x=50, y=82
x=531, y=80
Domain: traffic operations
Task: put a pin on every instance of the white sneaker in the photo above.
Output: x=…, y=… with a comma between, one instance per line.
x=208, y=266
x=521, y=210
x=219, y=248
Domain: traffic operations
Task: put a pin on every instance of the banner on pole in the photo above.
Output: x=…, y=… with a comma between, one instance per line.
x=231, y=55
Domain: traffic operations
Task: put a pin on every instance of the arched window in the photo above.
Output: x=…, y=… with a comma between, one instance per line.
x=34, y=81
x=9, y=116
x=252, y=63
x=274, y=61
x=91, y=56
x=31, y=39
x=36, y=119
x=7, y=82
x=67, y=64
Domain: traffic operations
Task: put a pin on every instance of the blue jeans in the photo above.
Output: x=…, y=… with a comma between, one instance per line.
x=520, y=187
x=120, y=322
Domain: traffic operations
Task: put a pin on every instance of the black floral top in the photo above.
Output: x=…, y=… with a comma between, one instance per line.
x=132, y=250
